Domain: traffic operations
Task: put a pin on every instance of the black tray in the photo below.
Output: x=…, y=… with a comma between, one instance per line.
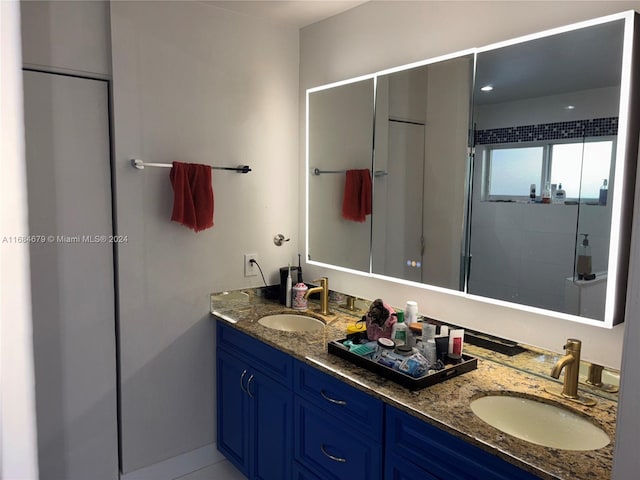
x=467, y=364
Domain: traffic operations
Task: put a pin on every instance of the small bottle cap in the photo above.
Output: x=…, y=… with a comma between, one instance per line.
x=400, y=316
x=454, y=359
x=386, y=342
x=404, y=350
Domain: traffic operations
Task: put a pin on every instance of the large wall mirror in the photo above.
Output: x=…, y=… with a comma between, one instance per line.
x=546, y=120
x=339, y=140
x=506, y=172
x=421, y=132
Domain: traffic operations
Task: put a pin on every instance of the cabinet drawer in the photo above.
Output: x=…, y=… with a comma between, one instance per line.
x=332, y=449
x=398, y=468
x=352, y=407
x=441, y=454
x=264, y=358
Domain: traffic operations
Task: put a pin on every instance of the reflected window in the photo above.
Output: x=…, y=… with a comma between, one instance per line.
x=580, y=167
x=591, y=159
x=513, y=171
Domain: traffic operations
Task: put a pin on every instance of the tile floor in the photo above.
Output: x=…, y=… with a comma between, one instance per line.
x=222, y=470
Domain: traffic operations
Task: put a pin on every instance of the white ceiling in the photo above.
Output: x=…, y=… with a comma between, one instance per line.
x=298, y=13
x=581, y=59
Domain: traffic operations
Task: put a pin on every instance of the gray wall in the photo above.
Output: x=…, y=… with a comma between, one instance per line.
x=197, y=84
x=66, y=36
x=194, y=83
x=69, y=185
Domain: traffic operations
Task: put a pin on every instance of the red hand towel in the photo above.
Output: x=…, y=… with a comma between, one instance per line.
x=192, y=195
x=356, y=202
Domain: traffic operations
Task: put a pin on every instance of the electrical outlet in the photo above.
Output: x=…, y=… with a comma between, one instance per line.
x=250, y=269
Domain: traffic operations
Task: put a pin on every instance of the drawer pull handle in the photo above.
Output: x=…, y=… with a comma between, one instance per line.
x=332, y=400
x=249, y=385
x=335, y=459
x=244, y=372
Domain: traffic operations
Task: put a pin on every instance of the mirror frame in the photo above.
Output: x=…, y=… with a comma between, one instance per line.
x=624, y=172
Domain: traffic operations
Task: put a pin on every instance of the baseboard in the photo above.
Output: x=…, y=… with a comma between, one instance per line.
x=177, y=466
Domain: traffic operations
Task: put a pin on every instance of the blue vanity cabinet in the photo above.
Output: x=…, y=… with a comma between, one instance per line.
x=415, y=449
x=338, y=429
x=254, y=405
x=232, y=409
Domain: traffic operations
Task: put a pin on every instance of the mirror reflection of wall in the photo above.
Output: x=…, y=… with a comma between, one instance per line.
x=546, y=117
x=340, y=138
x=422, y=118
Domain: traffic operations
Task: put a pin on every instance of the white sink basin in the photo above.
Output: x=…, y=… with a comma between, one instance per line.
x=288, y=322
x=540, y=423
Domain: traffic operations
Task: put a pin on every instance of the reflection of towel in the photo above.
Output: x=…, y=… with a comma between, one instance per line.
x=192, y=195
x=356, y=203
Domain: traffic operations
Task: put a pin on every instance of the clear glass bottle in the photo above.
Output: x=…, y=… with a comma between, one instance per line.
x=546, y=193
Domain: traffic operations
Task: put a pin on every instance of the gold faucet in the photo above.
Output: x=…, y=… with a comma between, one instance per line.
x=323, y=289
x=351, y=303
x=594, y=378
x=571, y=364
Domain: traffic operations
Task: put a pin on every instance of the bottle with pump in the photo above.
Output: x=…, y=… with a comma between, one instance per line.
x=400, y=333
x=561, y=194
x=583, y=267
x=604, y=189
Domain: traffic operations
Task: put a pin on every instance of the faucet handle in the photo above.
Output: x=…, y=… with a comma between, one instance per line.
x=573, y=345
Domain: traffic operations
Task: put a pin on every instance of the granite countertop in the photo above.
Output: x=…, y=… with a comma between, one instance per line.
x=445, y=405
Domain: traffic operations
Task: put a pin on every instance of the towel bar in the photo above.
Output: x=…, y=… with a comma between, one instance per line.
x=139, y=164
x=377, y=173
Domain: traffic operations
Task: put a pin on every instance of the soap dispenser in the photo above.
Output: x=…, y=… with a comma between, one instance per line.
x=584, y=258
x=604, y=189
x=561, y=194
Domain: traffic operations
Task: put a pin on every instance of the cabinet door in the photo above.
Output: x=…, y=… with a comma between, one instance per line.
x=333, y=449
x=232, y=375
x=272, y=428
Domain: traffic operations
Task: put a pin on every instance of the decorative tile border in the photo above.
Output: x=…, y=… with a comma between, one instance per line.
x=595, y=127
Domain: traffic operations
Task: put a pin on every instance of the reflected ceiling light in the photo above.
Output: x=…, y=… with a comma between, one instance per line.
x=570, y=107
x=487, y=88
